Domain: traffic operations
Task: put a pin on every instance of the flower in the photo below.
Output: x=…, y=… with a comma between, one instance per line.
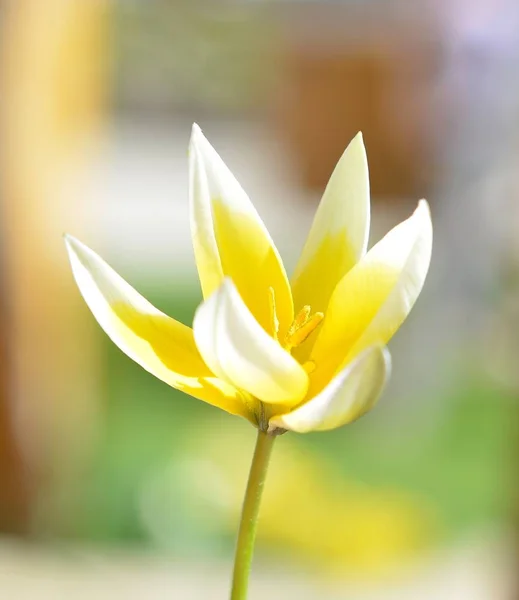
x=303, y=355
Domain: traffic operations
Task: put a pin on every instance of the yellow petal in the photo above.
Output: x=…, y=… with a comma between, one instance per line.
x=352, y=393
x=373, y=299
x=161, y=345
x=230, y=239
x=339, y=233
x=239, y=350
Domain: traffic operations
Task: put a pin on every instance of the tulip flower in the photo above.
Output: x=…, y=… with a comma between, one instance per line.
x=305, y=354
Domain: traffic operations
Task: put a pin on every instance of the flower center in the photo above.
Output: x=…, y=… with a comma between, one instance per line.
x=302, y=326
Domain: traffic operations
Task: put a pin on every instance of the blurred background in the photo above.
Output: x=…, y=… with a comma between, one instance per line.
x=113, y=485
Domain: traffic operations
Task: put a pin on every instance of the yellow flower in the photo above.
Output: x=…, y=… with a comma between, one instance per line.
x=303, y=355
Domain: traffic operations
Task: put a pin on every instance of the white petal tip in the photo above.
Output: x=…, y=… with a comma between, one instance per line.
x=197, y=139
x=77, y=250
x=354, y=161
x=200, y=145
x=72, y=244
x=228, y=286
x=423, y=207
x=357, y=143
x=196, y=130
x=422, y=214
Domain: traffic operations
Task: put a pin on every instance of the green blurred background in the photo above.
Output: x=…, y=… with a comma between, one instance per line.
x=114, y=484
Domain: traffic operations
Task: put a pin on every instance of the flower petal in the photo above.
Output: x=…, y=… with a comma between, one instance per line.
x=339, y=233
x=374, y=298
x=239, y=351
x=230, y=239
x=161, y=345
x=352, y=393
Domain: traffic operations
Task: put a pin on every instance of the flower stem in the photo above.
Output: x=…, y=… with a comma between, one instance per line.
x=249, y=515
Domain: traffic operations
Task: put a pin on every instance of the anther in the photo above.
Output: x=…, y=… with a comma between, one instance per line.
x=302, y=327
x=302, y=317
x=302, y=332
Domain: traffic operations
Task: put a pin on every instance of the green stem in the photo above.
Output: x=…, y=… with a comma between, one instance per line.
x=249, y=515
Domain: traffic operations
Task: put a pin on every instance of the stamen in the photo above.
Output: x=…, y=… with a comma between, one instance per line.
x=273, y=314
x=302, y=317
x=302, y=327
x=301, y=334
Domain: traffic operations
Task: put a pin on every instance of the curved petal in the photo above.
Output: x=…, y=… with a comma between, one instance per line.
x=352, y=393
x=374, y=298
x=239, y=351
x=230, y=239
x=339, y=233
x=161, y=345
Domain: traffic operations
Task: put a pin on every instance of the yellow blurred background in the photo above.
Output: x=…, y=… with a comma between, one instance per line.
x=114, y=485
